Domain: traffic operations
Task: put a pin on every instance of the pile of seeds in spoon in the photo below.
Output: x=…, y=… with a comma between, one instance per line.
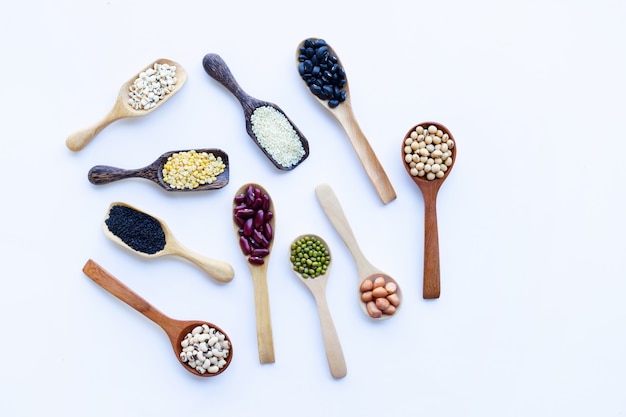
x=321, y=71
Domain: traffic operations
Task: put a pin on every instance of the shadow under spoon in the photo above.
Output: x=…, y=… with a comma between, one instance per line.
x=176, y=330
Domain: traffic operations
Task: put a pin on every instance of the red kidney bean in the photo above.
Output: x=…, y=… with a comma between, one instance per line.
x=259, y=218
x=258, y=203
x=248, y=226
x=245, y=213
x=260, y=239
x=260, y=253
x=245, y=245
x=268, y=215
x=239, y=220
x=266, y=202
x=256, y=260
x=267, y=230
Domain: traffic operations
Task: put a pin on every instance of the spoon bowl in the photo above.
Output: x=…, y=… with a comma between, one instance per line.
x=218, y=270
x=365, y=270
x=104, y=174
x=122, y=108
x=176, y=330
x=317, y=286
x=343, y=112
x=263, y=243
x=430, y=189
x=215, y=66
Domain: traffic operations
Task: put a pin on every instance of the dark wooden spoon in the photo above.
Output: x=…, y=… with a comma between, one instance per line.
x=429, y=189
x=104, y=174
x=176, y=329
x=215, y=66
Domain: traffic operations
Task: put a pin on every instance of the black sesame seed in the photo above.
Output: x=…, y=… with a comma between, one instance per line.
x=138, y=230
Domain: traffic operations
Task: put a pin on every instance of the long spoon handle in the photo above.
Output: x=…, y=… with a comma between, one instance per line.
x=432, y=285
x=265, y=340
x=334, y=353
x=104, y=174
x=219, y=270
x=366, y=154
x=215, y=66
x=107, y=281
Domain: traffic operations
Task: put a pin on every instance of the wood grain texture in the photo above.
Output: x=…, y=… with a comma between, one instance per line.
x=121, y=109
x=104, y=174
x=365, y=270
x=215, y=66
x=344, y=114
x=176, y=330
x=332, y=345
x=265, y=339
x=220, y=271
x=430, y=189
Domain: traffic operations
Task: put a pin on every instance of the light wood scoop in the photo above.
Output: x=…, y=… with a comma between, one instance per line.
x=430, y=189
x=122, y=108
x=344, y=114
x=317, y=286
x=265, y=340
x=176, y=329
x=104, y=174
x=218, y=270
x=365, y=270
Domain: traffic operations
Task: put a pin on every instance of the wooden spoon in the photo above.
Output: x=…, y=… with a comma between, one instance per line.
x=122, y=108
x=259, y=279
x=365, y=270
x=218, y=270
x=345, y=116
x=176, y=329
x=103, y=174
x=317, y=286
x=215, y=66
x=429, y=189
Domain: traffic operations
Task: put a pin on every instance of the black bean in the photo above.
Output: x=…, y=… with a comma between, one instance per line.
x=327, y=78
x=138, y=230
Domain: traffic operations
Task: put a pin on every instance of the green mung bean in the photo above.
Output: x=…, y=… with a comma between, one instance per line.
x=309, y=257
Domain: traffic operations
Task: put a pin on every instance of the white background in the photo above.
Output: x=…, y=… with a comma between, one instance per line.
x=531, y=319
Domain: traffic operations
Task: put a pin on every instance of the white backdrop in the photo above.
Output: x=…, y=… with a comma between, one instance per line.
x=531, y=319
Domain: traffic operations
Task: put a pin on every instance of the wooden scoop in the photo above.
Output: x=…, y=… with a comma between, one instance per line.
x=365, y=270
x=345, y=116
x=103, y=174
x=176, y=329
x=429, y=189
x=215, y=66
x=218, y=270
x=265, y=339
x=317, y=286
x=122, y=108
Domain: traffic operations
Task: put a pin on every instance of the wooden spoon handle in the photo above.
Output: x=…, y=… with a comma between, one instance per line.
x=78, y=140
x=104, y=174
x=368, y=158
x=432, y=286
x=215, y=66
x=334, y=353
x=265, y=341
x=107, y=281
x=329, y=202
x=219, y=270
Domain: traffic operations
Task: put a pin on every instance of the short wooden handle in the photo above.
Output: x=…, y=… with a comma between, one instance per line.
x=219, y=270
x=334, y=352
x=104, y=174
